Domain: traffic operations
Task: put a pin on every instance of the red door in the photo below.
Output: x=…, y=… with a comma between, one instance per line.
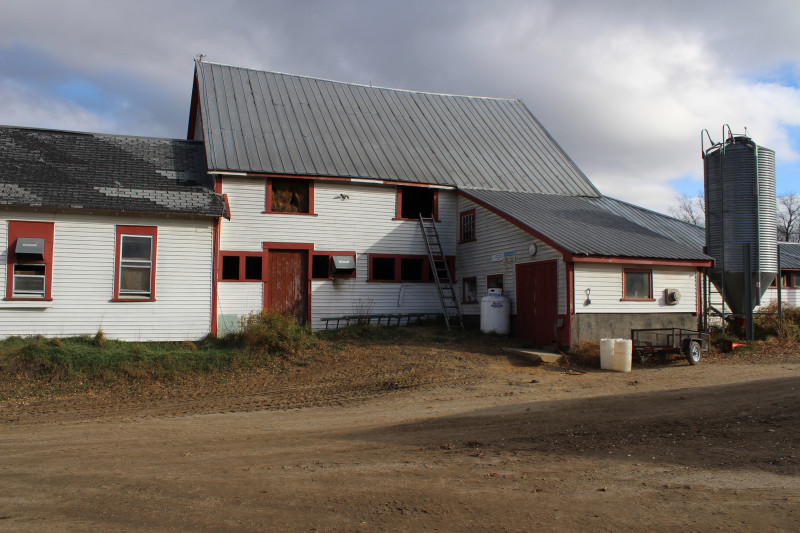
x=537, y=302
x=287, y=283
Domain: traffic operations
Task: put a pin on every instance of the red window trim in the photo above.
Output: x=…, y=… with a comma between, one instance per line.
x=36, y=230
x=352, y=275
x=399, y=203
x=650, y=298
x=135, y=230
x=426, y=268
x=793, y=284
x=464, y=290
x=461, y=216
x=241, y=256
x=268, y=202
x=495, y=276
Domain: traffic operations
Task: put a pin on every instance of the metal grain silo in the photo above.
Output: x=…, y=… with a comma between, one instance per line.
x=740, y=219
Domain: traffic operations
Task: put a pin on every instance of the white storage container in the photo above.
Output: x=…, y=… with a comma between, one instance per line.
x=496, y=312
x=616, y=354
x=606, y=353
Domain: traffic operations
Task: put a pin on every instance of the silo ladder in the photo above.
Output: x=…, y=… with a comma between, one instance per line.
x=441, y=273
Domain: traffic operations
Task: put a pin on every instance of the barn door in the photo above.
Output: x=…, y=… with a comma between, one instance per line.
x=537, y=302
x=287, y=283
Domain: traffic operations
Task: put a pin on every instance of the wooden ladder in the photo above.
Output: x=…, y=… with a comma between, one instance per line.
x=441, y=273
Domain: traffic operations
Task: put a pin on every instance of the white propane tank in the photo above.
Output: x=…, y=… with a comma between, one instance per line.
x=496, y=312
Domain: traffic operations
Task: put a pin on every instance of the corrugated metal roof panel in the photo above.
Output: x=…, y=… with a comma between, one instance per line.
x=256, y=121
x=580, y=226
x=790, y=254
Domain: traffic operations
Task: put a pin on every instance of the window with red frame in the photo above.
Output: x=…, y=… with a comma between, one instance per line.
x=29, y=260
x=789, y=280
x=396, y=268
x=637, y=284
x=135, y=260
x=242, y=266
x=467, y=226
x=290, y=196
x=322, y=266
x=415, y=201
x=494, y=281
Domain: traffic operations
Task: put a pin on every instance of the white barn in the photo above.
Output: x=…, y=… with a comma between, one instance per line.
x=303, y=195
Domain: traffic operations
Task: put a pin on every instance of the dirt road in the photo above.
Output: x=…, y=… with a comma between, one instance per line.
x=481, y=446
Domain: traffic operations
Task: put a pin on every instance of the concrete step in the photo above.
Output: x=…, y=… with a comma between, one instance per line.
x=535, y=356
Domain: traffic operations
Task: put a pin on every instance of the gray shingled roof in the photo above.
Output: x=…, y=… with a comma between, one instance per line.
x=59, y=169
x=581, y=226
x=266, y=122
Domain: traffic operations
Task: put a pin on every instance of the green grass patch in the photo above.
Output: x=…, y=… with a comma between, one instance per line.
x=265, y=339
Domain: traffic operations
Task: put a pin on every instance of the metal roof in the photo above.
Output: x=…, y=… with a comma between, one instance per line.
x=790, y=255
x=69, y=170
x=671, y=227
x=581, y=226
x=267, y=122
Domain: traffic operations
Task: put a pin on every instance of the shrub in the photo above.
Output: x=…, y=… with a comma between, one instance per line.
x=766, y=323
x=274, y=333
x=585, y=353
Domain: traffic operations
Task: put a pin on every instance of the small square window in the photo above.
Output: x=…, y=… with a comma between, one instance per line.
x=638, y=284
x=320, y=266
x=383, y=268
x=289, y=196
x=29, y=281
x=416, y=201
x=411, y=269
x=252, y=268
x=494, y=281
x=230, y=267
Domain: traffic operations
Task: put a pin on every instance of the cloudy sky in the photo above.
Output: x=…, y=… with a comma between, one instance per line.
x=624, y=86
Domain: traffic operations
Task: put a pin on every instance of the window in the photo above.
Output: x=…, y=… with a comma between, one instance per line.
x=788, y=280
x=495, y=281
x=469, y=290
x=290, y=196
x=467, y=226
x=242, y=266
x=329, y=265
x=135, y=263
x=413, y=201
x=29, y=260
x=385, y=267
x=637, y=284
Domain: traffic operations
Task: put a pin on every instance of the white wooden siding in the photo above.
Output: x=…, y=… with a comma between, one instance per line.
x=495, y=235
x=363, y=223
x=789, y=296
x=83, y=281
x=605, y=282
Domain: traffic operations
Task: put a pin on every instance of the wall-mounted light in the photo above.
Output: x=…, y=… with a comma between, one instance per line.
x=343, y=197
x=588, y=300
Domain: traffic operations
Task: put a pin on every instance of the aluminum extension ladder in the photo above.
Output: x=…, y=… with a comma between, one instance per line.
x=441, y=273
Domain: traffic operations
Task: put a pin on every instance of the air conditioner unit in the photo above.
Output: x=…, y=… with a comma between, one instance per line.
x=672, y=296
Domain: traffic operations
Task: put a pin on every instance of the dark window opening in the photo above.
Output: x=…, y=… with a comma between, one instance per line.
x=320, y=266
x=252, y=267
x=470, y=294
x=411, y=269
x=290, y=196
x=494, y=282
x=383, y=268
x=230, y=267
x=415, y=201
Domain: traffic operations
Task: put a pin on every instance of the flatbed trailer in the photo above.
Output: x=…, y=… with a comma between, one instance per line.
x=693, y=344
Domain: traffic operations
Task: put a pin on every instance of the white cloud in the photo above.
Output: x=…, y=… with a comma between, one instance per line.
x=625, y=87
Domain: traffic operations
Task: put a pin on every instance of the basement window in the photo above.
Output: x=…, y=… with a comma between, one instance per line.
x=637, y=284
x=290, y=196
x=415, y=201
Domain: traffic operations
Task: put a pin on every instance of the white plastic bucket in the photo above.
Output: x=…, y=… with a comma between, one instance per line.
x=606, y=353
x=623, y=355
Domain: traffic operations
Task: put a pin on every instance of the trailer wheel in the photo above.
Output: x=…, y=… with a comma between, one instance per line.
x=693, y=352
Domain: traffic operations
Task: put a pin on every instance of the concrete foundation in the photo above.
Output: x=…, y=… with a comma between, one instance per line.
x=593, y=327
